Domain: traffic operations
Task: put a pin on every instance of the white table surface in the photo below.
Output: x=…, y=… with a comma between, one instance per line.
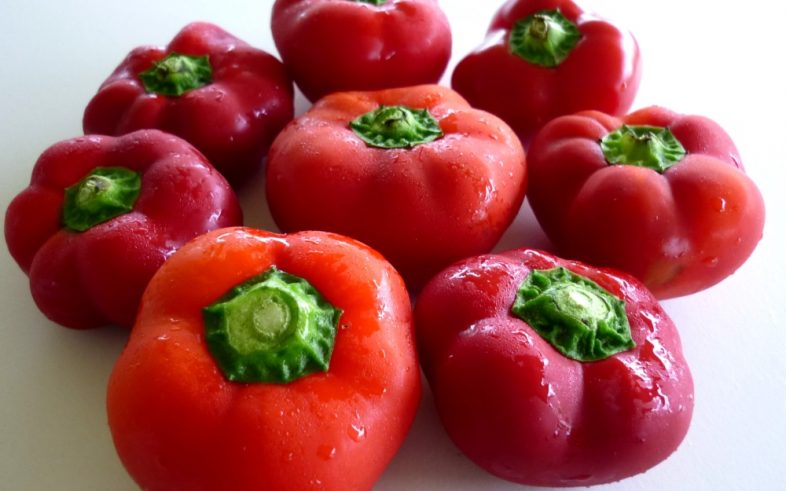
x=718, y=59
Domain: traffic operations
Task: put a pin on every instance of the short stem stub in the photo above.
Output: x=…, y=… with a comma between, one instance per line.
x=574, y=314
x=372, y=2
x=654, y=147
x=275, y=327
x=396, y=127
x=105, y=193
x=177, y=74
x=544, y=38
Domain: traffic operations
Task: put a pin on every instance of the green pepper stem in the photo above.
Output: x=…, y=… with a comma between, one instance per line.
x=653, y=147
x=396, y=127
x=544, y=38
x=105, y=193
x=273, y=328
x=574, y=314
x=372, y=2
x=177, y=74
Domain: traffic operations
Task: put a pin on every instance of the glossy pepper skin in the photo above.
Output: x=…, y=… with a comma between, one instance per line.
x=422, y=207
x=341, y=45
x=520, y=409
x=231, y=116
x=679, y=231
x=91, y=278
x=602, y=72
x=178, y=423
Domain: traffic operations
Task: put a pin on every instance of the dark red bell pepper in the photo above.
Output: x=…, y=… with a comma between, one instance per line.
x=340, y=45
x=101, y=215
x=415, y=173
x=553, y=373
x=208, y=87
x=660, y=195
x=545, y=58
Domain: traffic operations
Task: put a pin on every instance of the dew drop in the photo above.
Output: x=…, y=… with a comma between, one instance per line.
x=357, y=432
x=326, y=452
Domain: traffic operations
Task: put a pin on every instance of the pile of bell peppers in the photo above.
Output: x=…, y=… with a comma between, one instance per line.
x=290, y=361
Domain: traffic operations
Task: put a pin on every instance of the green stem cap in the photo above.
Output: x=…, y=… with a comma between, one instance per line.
x=396, y=127
x=105, y=193
x=574, y=314
x=372, y=2
x=653, y=147
x=544, y=38
x=177, y=74
x=275, y=327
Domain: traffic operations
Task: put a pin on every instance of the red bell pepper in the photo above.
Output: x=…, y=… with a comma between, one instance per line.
x=340, y=45
x=265, y=361
x=553, y=373
x=415, y=172
x=101, y=215
x=223, y=96
x=656, y=194
x=545, y=58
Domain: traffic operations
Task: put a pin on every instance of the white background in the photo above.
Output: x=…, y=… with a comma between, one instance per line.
x=720, y=59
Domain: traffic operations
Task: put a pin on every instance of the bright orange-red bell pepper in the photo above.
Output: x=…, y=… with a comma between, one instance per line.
x=265, y=361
